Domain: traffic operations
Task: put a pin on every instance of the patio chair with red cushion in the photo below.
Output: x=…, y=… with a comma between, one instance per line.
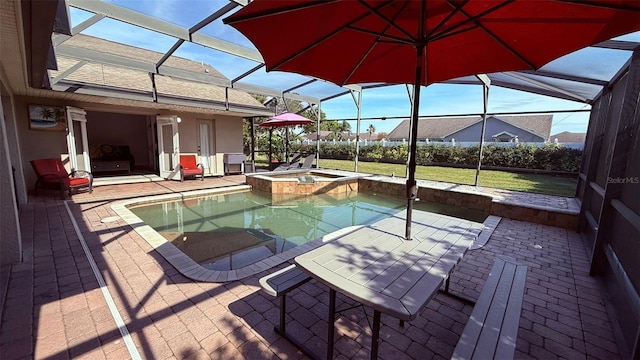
x=53, y=175
x=188, y=167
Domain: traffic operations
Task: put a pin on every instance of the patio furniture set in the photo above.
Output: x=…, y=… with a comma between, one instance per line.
x=399, y=277
x=51, y=173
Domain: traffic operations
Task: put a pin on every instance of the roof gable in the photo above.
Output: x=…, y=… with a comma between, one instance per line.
x=439, y=128
x=432, y=128
x=569, y=137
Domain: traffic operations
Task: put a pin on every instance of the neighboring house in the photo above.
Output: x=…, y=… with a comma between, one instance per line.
x=139, y=114
x=325, y=134
x=531, y=128
x=568, y=137
x=367, y=136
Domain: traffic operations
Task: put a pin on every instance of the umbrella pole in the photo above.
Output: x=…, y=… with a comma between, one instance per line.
x=286, y=146
x=270, y=147
x=412, y=188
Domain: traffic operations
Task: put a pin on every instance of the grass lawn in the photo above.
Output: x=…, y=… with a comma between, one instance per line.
x=542, y=184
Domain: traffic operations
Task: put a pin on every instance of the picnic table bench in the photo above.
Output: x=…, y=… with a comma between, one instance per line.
x=281, y=282
x=492, y=329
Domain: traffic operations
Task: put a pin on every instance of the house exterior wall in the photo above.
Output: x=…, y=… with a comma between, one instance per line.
x=37, y=144
x=189, y=140
x=494, y=126
x=105, y=125
x=228, y=135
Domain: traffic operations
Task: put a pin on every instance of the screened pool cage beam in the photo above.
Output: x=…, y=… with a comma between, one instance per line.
x=486, y=83
x=358, y=102
x=318, y=134
x=411, y=102
x=426, y=117
x=193, y=34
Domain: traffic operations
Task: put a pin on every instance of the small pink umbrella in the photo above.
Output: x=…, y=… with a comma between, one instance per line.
x=286, y=119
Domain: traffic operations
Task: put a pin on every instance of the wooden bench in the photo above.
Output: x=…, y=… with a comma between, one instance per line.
x=492, y=329
x=279, y=284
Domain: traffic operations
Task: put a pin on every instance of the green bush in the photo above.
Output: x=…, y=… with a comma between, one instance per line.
x=551, y=157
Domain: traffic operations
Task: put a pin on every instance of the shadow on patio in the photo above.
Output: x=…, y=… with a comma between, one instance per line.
x=170, y=316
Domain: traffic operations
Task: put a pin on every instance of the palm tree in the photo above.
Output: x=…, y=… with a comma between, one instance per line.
x=371, y=130
x=47, y=113
x=345, y=127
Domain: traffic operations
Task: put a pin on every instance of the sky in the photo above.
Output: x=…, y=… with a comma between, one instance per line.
x=390, y=101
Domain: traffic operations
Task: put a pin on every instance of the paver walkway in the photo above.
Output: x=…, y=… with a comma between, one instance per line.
x=55, y=307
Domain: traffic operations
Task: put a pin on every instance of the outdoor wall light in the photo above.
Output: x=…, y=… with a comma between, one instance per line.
x=178, y=119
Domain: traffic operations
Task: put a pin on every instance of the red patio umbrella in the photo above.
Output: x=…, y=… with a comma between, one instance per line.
x=423, y=42
x=285, y=119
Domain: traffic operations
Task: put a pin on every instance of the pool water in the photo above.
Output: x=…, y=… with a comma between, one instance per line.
x=231, y=231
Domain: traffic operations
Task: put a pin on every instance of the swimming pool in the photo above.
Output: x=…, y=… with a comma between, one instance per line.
x=233, y=231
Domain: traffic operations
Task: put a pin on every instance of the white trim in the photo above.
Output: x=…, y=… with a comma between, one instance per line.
x=504, y=133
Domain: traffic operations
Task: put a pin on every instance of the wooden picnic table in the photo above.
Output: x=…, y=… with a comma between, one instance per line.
x=377, y=267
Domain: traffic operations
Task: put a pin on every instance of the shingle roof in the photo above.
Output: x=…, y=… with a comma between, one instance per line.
x=314, y=135
x=437, y=128
x=539, y=124
x=109, y=47
x=569, y=137
x=124, y=78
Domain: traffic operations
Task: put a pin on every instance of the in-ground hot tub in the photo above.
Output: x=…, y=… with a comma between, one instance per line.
x=305, y=182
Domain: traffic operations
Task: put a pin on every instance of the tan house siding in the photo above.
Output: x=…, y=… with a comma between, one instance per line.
x=224, y=143
x=37, y=144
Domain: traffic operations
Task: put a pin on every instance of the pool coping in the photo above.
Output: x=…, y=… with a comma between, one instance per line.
x=344, y=175
x=479, y=198
x=192, y=270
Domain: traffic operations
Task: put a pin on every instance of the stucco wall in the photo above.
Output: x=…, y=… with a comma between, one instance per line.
x=228, y=134
x=494, y=126
x=188, y=134
x=37, y=144
x=226, y=137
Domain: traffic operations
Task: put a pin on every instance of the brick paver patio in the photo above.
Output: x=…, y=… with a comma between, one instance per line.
x=55, y=307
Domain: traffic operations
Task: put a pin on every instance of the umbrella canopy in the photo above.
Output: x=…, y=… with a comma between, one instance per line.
x=423, y=42
x=285, y=119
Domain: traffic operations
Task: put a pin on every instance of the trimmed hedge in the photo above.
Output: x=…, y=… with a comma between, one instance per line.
x=551, y=157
